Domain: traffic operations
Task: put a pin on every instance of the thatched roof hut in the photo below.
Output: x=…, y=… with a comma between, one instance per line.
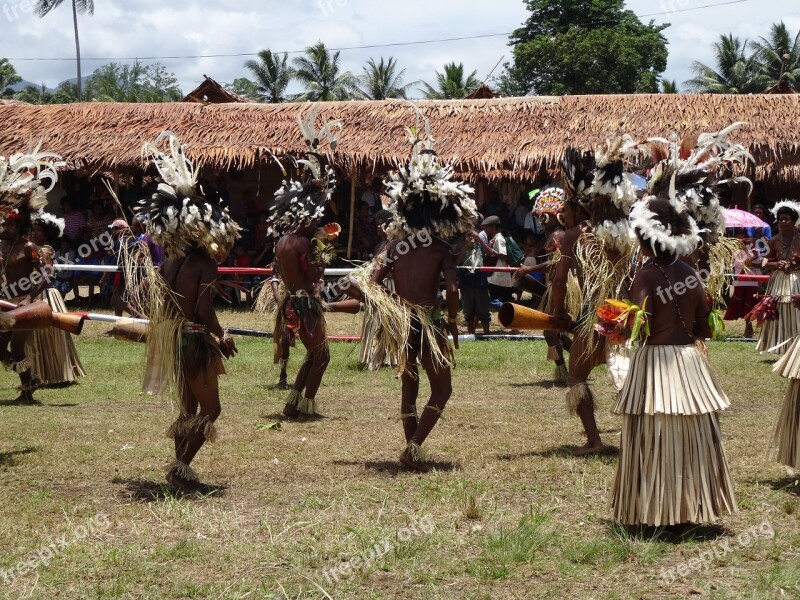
x=502, y=138
x=212, y=92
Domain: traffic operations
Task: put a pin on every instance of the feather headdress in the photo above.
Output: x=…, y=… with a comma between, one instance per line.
x=177, y=218
x=424, y=196
x=53, y=226
x=577, y=170
x=599, y=183
x=660, y=236
x=549, y=203
x=21, y=180
x=690, y=171
x=298, y=204
x=790, y=204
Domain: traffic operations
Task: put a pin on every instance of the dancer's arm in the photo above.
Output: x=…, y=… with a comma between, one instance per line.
x=558, y=291
x=205, y=308
x=452, y=296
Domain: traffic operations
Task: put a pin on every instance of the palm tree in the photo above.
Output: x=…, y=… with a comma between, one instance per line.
x=778, y=57
x=319, y=70
x=381, y=81
x=272, y=76
x=669, y=87
x=736, y=73
x=34, y=94
x=451, y=83
x=43, y=7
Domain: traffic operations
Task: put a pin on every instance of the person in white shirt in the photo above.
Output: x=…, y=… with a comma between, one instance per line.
x=500, y=283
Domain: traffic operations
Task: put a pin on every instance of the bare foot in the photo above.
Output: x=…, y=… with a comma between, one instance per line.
x=588, y=449
x=290, y=411
x=406, y=459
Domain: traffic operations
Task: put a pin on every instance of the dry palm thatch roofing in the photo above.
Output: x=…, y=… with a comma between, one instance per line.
x=512, y=138
x=211, y=92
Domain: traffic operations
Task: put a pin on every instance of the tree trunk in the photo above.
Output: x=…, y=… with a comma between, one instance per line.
x=77, y=47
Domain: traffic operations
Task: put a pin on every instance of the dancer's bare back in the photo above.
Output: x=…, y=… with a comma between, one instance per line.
x=293, y=255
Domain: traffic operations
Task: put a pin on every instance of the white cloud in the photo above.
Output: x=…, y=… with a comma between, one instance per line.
x=154, y=28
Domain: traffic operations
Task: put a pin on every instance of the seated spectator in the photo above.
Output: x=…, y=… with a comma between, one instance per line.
x=372, y=197
x=365, y=233
x=74, y=221
x=494, y=206
x=240, y=259
x=533, y=248
x=517, y=216
x=156, y=250
x=64, y=255
x=113, y=284
x=762, y=213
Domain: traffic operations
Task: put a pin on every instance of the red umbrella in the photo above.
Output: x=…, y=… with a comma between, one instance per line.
x=741, y=218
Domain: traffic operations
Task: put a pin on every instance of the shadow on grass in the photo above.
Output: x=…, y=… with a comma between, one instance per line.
x=547, y=384
x=669, y=534
x=7, y=458
x=395, y=467
x=146, y=490
x=35, y=403
x=301, y=419
x=564, y=451
x=787, y=484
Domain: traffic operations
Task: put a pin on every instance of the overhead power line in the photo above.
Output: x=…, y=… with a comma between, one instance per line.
x=348, y=48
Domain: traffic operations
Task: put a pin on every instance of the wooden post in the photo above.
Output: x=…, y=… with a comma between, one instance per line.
x=116, y=192
x=353, y=184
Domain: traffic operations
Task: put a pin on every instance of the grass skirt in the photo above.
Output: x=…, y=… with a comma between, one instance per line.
x=671, y=380
x=372, y=353
x=672, y=466
x=55, y=359
x=672, y=469
x=785, y=438
x=776, y=335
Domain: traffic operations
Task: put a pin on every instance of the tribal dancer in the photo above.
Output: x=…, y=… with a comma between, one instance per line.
x=549, y=209
x=431, y=213
x=55, y=359
x=286, y=342
x=672, y=466
x=301, y=256
x=189, y=342
x=697, y=167
x=22, y=193
x=599, y=253
x=783, y=263
x=785, y=438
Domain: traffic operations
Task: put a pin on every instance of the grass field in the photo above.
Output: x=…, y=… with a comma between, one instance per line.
x=321, y=509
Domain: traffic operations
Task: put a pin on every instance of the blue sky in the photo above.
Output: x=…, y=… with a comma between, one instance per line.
x=156, y=28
